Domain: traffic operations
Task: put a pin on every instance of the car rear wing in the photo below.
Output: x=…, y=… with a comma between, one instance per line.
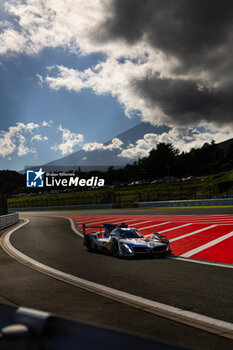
x=106, y=227
x=85, y=227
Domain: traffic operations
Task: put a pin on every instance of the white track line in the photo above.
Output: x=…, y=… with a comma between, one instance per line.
x=107, y=220
x=169, y=229
x=192, y=233
x=175, y=228
x=202, y=262
x=72, y=224
x=140, y=223
x=97, y=220
x=201, y=220
x=163, y=223
x=94, y=218
x=212, y=325
x=207, y=245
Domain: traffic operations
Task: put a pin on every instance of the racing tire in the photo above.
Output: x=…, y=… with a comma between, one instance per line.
x=115, y=249
x=88, y=244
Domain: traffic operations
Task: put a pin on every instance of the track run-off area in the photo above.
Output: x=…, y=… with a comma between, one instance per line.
x=202, y=237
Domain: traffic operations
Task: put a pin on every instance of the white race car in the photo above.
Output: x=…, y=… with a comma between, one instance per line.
x=124, y=241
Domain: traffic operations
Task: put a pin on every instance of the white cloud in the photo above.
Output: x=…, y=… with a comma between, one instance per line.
x=51, y=23
x=21, y=137
x=141, y=148
x=13, y=139
x=7, y=145
x=93, y=146
x=30, y=126
x=40, y=24
x=47, y=123
x=38, y=137
x=115, y=78
x=182, y=138
x=72, y=24
x=69, y=141
x=186, y=138
x=23, y=149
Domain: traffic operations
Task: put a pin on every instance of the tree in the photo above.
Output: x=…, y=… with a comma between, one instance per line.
x=161, y=160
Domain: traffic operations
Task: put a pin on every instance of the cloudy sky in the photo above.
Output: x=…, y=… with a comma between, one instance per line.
x=74, y=74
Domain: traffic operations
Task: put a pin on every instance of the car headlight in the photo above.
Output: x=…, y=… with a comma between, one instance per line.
x=125, y=248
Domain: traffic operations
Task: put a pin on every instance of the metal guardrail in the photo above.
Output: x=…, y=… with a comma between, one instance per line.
x=8, y=220
x=25, y=329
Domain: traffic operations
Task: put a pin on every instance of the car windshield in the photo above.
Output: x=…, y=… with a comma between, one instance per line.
x=130, y=233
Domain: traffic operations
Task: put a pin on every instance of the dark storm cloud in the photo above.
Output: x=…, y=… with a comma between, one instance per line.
x=200, y=35
x=185, y=103
x=187, y=29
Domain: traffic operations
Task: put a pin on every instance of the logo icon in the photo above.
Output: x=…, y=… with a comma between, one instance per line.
x=35, y=178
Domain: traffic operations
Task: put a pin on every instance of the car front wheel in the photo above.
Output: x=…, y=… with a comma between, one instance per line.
x=88, y=244
x=115, y=249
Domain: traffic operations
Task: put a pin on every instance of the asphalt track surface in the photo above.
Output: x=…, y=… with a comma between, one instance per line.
x=203, y=289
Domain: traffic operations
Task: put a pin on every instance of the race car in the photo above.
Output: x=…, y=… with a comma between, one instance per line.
x=123, y=241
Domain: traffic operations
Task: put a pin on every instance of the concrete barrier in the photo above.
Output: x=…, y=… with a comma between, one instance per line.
x=8, y=220
x=188, y=203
